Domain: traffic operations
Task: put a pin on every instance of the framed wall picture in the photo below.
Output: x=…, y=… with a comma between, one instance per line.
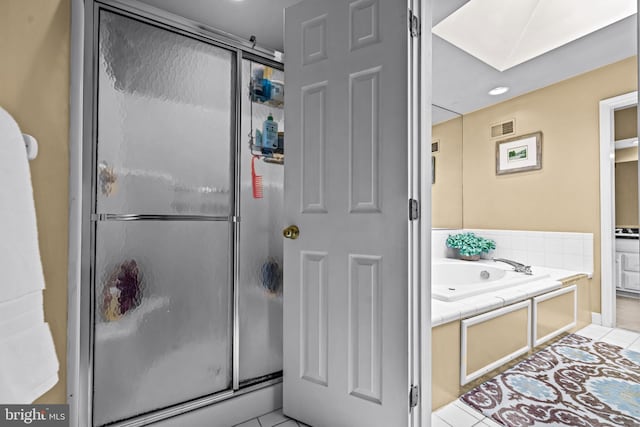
x=519, y=154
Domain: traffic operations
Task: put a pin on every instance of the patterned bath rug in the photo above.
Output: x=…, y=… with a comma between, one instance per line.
x=573, y=382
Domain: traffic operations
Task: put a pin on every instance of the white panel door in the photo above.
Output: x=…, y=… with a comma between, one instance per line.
x=346, y=354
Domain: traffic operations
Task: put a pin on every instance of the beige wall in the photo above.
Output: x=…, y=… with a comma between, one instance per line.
x=564, y=194
x=627, y=194
x=446, y=193
x=626, y=123
x=34, y=88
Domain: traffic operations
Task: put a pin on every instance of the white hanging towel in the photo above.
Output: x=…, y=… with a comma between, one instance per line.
x=28, y=362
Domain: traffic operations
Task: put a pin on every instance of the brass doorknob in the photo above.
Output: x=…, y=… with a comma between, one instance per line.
x=291, y=232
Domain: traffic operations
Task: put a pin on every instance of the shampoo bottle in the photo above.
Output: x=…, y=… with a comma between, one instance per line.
x=266, y=84
x=258, y=139
x=269, y=135
x=266, y=90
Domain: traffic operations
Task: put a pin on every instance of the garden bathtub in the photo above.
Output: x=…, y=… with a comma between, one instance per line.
x=452, y=280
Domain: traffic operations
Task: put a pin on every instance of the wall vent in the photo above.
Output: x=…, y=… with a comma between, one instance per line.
x=502, y=129
x=435, y=146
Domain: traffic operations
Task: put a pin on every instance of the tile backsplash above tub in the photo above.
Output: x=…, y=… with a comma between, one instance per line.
x=439, y=247
x=568, y=251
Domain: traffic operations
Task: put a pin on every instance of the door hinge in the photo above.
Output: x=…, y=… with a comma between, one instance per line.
x=414, y=396
x=414, y=24
x=414, y=210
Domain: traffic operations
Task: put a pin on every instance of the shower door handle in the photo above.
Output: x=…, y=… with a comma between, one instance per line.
x=291, y=232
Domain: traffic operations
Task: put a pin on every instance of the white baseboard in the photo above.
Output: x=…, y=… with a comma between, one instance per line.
x=230, y=412
x=596, y=318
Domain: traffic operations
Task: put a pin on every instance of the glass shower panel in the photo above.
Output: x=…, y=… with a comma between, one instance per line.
x=162, y=315
x=260, y=261
x=164, y=121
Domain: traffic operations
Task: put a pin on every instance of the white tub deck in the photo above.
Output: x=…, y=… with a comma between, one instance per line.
x=453, y=280
x=448, y=311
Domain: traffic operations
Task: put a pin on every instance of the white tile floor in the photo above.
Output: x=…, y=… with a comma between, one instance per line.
x=456, y=413
x=272, y=419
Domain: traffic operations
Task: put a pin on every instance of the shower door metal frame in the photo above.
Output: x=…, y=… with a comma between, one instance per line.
x=81, y=322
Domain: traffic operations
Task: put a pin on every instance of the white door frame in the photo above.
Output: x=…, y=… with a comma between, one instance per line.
x=607, y=202
x=421, y=285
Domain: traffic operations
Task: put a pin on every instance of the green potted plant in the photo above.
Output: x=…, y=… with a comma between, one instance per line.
x=470, y=246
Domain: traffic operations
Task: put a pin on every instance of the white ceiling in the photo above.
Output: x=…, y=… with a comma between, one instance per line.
x=504, y=34
x=262, y=18
x=460, y=81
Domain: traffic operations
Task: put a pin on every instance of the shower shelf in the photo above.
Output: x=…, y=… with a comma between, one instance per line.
x=260, y=110
x=275, y=158
x=270, y=104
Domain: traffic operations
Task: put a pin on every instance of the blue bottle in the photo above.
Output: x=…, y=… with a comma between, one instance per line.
x=257, y=92
x=257, y=141
x=269, y=135
x=266, y=90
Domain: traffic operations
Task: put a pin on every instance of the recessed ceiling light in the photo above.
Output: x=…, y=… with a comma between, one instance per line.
x=505, y=33
x=498, y=90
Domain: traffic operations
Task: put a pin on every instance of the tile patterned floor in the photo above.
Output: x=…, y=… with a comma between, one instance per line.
x=456, y=413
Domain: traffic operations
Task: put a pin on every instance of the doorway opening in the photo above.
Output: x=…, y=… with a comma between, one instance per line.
x=619, y=211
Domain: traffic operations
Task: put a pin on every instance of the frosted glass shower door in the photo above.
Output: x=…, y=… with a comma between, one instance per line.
x=163, y=237
x=163, y=319
x=165, y=110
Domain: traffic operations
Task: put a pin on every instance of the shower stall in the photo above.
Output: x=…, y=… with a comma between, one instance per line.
x=182, y=210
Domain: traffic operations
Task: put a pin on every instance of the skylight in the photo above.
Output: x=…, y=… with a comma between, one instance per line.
x=505, y=33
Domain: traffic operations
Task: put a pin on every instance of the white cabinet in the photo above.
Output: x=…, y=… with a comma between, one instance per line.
x=630, y=262
x=628, y=265
x=631, y=281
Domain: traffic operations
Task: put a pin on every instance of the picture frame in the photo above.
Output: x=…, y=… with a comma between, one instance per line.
x=519, y=154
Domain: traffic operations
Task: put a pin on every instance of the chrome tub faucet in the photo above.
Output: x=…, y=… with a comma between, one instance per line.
x=517, y=267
